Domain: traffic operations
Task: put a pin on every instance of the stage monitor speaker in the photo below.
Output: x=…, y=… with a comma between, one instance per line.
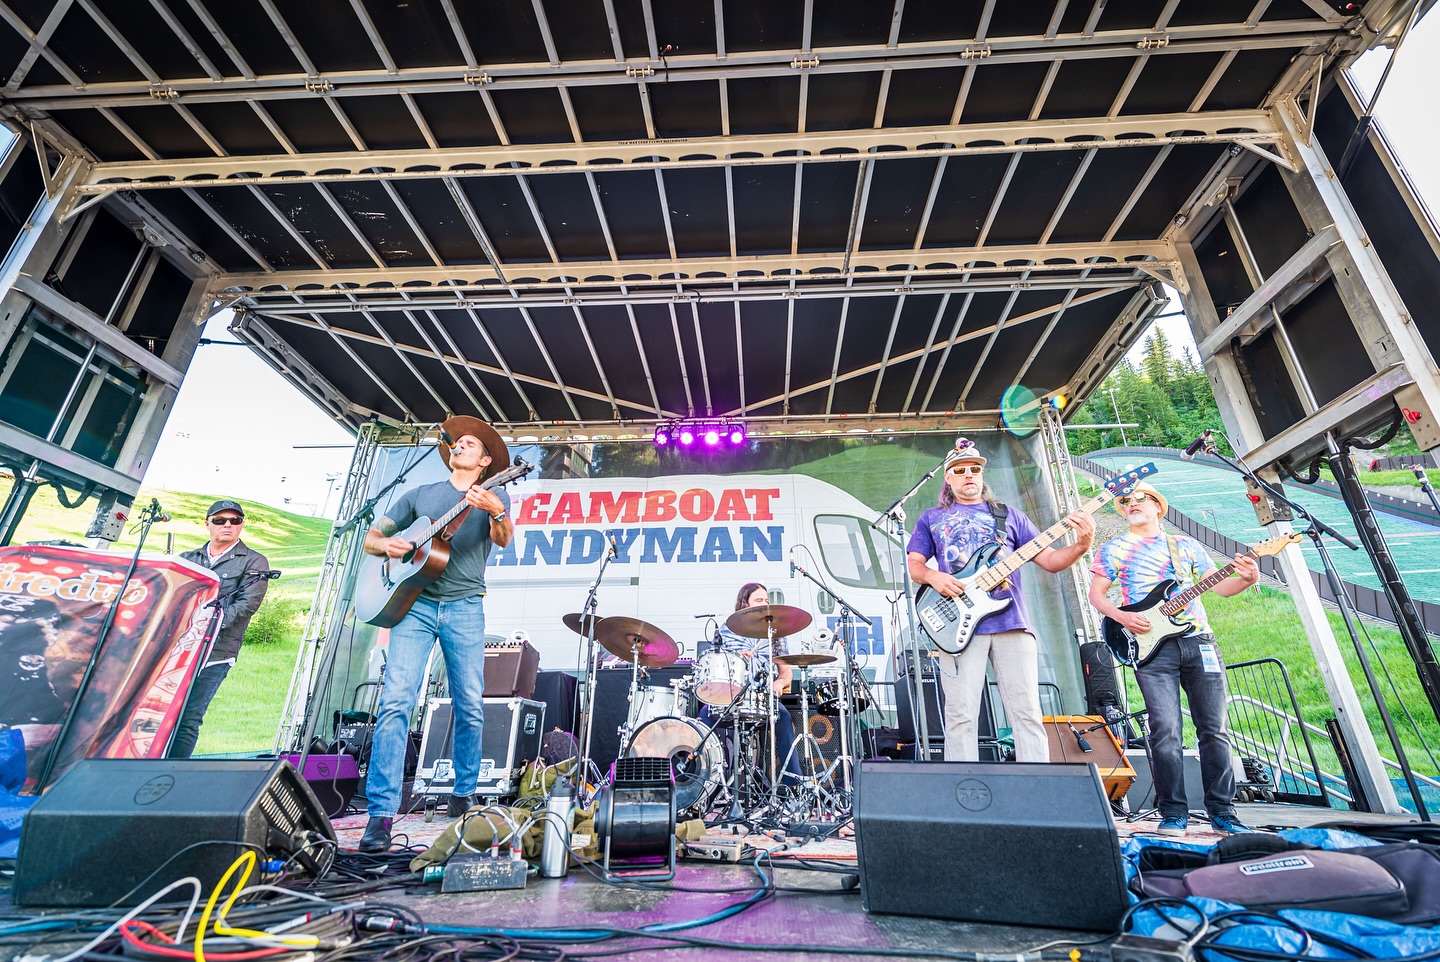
x=1102, y=688
x=115, y=831
x=333, y=779
x=928, y=835
x=1105, y=751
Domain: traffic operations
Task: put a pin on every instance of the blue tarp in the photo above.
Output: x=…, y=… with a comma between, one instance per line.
x=1384, y=940
x=13, y=805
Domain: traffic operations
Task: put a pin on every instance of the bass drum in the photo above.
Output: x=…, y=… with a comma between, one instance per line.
x=694, y=759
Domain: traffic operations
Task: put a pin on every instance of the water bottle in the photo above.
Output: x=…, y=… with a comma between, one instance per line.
x=555, y=850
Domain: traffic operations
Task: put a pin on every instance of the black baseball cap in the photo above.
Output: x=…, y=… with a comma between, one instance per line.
x=219, y=506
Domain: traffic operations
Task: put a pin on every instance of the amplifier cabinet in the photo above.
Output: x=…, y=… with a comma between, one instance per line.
x=510, y=670
x=513, y=728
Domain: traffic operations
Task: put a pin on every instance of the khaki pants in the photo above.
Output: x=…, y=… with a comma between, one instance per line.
x=1017, y=673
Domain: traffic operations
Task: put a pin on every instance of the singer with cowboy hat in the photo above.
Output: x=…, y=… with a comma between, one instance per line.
x=967, y=518
x=451, y=609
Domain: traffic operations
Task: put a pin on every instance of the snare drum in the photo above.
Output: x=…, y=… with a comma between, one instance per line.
x=755, y=706
x=719, y=677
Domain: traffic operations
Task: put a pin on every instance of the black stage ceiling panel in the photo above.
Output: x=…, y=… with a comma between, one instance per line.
x=790, y=157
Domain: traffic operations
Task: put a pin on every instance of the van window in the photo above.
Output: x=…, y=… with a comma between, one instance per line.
x=856, y=554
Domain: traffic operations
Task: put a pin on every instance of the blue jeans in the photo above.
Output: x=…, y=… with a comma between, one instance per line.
x=460, y=626
x=202, y=691
x=784, y=738
x=1177, y=664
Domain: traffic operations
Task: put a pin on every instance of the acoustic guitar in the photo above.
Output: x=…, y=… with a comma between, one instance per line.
x=386, y=587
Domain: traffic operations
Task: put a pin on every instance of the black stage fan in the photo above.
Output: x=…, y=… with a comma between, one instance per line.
x=635, y=820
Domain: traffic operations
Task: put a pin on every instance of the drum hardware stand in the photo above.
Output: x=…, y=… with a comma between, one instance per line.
x=893, y=519
x=588, y=620
x=845, y=631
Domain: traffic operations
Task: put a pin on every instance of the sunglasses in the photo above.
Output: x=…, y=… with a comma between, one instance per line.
x=966, y=468
x=1129, y=499
x=236, y=521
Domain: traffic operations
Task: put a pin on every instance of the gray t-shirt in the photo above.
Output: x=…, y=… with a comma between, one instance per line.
x=465, y=574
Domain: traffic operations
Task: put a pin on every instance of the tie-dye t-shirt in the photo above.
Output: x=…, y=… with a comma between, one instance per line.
x=1137, y=564
x=951, y=535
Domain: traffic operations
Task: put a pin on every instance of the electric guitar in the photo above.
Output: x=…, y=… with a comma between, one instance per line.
x=950, y=623
x=386, y=587
x=1160, y=609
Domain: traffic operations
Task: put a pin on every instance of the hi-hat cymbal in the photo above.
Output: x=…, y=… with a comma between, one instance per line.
x=804, y=659
x=764, y=620
x=576, y=622
x=635, y=640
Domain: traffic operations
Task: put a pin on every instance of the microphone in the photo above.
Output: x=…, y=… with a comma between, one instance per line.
x=614, y=551
x=1080, y=740
x=1196, y=445
x=270, y=575
x=447, y=440
x=1419, y=474
x=792, y=564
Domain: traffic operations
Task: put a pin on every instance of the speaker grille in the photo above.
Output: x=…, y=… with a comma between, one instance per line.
x=642, y=771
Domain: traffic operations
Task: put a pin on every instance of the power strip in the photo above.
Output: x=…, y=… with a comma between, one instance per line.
x=714, y=849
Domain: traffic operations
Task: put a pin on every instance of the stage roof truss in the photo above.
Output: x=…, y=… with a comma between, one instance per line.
x=616, y=215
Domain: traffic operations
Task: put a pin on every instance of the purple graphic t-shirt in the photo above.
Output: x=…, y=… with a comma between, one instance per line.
x=951, y=535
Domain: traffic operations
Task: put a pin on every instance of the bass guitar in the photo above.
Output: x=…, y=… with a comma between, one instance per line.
x=1159, y=607
x=385, y=587
x=950, y=623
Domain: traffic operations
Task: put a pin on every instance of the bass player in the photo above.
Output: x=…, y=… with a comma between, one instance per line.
x=967, y=518
x=1138, y=561
x=451, y=609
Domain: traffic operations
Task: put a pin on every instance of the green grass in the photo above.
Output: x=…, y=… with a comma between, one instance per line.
x=245, y=714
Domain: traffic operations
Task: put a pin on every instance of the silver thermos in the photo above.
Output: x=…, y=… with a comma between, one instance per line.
x=555, y=850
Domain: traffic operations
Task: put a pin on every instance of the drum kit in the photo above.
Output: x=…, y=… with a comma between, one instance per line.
x=721, y=757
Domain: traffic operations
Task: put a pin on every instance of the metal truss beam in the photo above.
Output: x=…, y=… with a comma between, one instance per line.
x=1186, y=39
x=706, y=272
x=841, y=146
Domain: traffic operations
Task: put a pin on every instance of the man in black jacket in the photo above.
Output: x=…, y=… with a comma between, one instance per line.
x=231, y=560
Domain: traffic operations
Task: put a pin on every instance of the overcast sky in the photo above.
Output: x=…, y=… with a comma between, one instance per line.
x=238, y=429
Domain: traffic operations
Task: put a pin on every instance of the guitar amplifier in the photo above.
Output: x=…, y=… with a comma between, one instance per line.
x=513, y=728
x=510, y=669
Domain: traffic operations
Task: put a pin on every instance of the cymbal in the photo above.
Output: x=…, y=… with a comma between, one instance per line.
x=804, y=659
x=575, y=621
x=635, y=640
x=759, y=621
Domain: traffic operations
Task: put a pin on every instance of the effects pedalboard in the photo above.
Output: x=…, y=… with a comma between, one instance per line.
x=714, y=849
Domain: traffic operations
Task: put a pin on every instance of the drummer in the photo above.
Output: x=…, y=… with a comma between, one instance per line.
x=758, y=654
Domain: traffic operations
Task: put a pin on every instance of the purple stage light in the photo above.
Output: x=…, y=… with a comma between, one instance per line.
x=712, y=436
x=662, y=437
x=687, y=436
x=737, y=436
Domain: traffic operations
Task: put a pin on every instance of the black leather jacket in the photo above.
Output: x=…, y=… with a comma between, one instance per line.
x=242, y=607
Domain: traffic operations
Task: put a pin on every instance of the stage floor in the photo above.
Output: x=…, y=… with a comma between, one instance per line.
x=814, y=911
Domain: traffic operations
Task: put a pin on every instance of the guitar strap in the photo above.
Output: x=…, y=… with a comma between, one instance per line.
x=453, y=528
x=1176, y=562
x=999, y=511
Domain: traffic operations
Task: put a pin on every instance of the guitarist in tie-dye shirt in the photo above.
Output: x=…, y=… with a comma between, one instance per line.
x=1138, y=561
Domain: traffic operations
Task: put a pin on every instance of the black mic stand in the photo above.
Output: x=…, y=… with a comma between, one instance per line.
x=148, y=516
x=894, y=516
x=358, y=523
x=1347, y=612
x=587, y=621
x=1142, y=715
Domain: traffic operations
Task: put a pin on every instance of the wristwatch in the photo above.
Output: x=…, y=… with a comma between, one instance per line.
x=498, y=517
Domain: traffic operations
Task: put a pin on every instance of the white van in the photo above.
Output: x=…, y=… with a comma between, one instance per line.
x=683, y=546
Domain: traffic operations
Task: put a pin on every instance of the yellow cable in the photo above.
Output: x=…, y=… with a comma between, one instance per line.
x=247, y=860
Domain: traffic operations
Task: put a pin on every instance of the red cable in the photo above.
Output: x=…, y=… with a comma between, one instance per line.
x=172, y=953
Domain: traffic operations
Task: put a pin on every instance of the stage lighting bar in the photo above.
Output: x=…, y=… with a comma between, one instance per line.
x=700, y=433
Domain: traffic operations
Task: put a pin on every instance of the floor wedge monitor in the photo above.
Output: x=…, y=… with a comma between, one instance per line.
x=115, y=831
x=1024, y=844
